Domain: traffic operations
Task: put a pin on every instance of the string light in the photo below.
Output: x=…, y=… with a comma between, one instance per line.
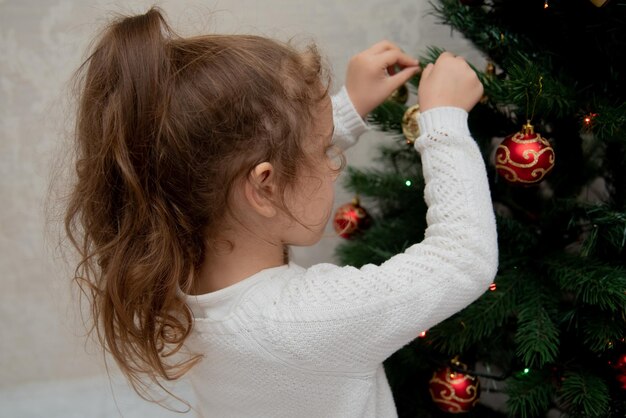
x=422, y=334
x=408, y=183
x=545, y=4
x=588, y=119
x=492, y=287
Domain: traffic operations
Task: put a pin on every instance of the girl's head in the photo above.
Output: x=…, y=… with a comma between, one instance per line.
x=167, y=130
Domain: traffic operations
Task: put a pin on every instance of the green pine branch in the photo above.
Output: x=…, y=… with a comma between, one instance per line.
x=480, y=320
x=585, y=393
x=609, y=122
x=384, y=184
x=590, y=281
x=606, y=228
x=537, y=336
x=599, y=327
x=530, y=393
x=388, y=116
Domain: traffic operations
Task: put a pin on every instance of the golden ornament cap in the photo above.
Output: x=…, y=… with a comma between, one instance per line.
x=400, y=95
x=599, y=3
x=528, y=129
x=410, y=127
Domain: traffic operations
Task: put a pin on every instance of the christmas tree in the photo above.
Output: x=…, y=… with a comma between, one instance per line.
x=548, y=336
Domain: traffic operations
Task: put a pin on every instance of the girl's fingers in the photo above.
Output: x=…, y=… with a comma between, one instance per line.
x=393, y=57
x=402, y=77
x=426, y=72
x=392, y=70
x=389, y=55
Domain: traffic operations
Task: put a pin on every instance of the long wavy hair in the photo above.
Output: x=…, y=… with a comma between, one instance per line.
x=165, y=127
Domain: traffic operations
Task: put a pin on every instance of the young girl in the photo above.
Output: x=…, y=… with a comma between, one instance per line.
x=200, y=159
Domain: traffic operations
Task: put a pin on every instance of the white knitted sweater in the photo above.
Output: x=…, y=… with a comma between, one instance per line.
x=295, y=342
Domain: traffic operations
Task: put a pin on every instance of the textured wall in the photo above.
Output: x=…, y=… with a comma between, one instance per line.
x=41, y=43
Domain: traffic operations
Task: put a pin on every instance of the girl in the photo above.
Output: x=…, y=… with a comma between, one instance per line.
x=200, y=159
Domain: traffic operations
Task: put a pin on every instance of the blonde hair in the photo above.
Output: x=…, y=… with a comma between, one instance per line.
x=165, y=126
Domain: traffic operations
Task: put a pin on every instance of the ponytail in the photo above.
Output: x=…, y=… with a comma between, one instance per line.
x=166, y=126
x=134, y=246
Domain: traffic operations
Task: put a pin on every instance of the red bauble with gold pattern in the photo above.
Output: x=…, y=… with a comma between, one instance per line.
x=453, y=391
x=524, y=157
x=351, y=219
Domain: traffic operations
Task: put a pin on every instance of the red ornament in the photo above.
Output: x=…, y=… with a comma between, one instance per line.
x=452, y=391
x=350, y=219
x=524, y=157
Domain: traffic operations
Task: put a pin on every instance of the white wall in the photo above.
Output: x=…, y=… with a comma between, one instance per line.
x=41, y=43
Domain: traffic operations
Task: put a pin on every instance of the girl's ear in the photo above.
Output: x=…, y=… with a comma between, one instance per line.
x=260, y=189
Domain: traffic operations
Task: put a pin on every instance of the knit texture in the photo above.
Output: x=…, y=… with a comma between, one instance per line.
x=295, y=342
x=348, y=124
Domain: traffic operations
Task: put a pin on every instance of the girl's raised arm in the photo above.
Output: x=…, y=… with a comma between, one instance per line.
x=344, y=319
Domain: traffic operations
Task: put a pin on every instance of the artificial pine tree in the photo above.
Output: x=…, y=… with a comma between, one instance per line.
x=550, y=332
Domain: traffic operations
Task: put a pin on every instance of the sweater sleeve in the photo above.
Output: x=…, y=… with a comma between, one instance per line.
x=349, y=320
x=348, y=123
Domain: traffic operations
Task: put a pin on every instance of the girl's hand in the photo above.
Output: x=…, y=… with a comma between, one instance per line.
x=449, y=82
x=368, y=81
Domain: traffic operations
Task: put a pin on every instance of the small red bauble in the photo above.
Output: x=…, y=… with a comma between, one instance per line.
x=524, y=157
x=454, y=392
x=350, y=219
